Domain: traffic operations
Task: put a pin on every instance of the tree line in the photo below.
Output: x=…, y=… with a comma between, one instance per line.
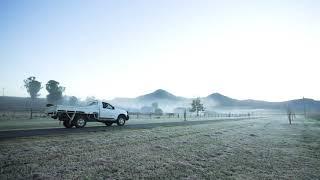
x=55, y=91
x=55, y=95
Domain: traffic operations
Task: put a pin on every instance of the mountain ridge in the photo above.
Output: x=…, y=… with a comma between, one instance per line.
x=160, y=94
x=169, y=101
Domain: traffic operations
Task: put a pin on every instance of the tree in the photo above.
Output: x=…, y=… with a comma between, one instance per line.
x=155, y=105
x=146, y=109
x=33, y=87
x=73, y=101
x=55, y=91
x=290, y=114
x=158, y=112
x=196, y=106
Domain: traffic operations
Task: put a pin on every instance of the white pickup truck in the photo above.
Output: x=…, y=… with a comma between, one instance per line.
x=95, y=111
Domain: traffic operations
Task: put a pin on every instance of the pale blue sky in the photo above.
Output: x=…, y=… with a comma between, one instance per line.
x=265, y=50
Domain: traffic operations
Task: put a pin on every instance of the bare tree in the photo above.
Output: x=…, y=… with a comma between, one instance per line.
x=290, y=114
x=196, y=106
x=33, y=87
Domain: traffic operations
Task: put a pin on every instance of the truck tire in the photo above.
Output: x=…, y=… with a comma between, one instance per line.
x=79, y=122
x=108, y=123
x=67, y=124
x=121, y=120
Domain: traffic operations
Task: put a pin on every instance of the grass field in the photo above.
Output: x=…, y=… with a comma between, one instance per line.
x=265, y=148
x=315, y=116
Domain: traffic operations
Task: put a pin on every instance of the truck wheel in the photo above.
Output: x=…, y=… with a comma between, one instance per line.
x=67, y=124
x=108, y=123
x=80, y=122
x=121, y=120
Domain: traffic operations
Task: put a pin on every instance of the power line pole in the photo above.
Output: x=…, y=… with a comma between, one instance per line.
x=304, y=108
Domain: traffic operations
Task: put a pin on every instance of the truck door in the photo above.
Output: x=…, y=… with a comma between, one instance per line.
x=107, y=111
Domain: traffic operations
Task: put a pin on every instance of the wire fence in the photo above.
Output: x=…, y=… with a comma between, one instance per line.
x=23, y=113
x=151, y=116
x=191, y=117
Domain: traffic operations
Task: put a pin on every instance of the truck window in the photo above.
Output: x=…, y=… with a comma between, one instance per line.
x=110, y=107
x=104, y=105
x=107, y=106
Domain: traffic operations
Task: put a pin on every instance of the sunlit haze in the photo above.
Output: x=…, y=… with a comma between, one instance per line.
x=267, y=50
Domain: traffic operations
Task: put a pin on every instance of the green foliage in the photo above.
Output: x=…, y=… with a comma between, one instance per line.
x=196, y=106
x=55, y=91
x=33, y=86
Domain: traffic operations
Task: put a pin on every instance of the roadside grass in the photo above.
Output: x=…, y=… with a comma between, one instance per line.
x=315, y=116
x=25, y=123
x=247, y=149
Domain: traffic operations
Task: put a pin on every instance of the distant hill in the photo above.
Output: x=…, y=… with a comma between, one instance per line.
x=159, y=94
x=21, y=103
x=168, y=102
x=213, y=101
x=297, y=104
x=221, y=100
